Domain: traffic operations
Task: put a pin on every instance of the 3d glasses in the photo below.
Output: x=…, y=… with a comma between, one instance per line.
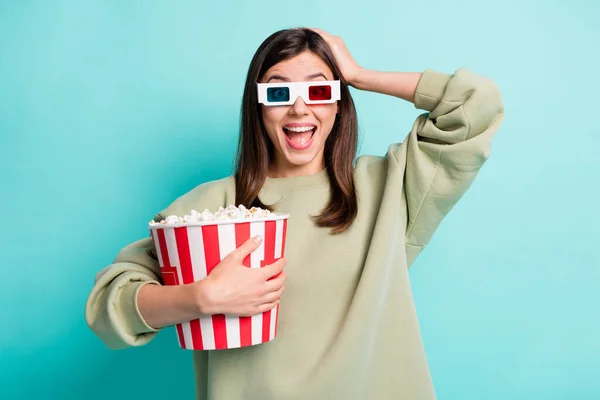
x=286, y=93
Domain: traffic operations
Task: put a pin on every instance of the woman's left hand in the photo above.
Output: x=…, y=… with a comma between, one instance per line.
x=348, y=66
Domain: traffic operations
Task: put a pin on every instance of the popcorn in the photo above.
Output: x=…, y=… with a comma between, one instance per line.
x=171, y=219
x=231, y=213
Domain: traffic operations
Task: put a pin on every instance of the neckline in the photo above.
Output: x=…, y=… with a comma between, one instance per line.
x=296, y=182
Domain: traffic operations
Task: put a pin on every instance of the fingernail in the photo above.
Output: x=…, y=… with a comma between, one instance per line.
x=257, y=238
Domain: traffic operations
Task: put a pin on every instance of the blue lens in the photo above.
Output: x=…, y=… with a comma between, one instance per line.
x=278, y=94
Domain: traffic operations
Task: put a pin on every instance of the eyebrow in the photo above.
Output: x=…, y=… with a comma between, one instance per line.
x=309, y=77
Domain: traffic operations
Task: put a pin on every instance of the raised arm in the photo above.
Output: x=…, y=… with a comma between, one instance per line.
x=446, y=146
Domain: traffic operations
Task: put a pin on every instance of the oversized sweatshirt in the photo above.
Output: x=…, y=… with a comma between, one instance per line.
x=347, y=322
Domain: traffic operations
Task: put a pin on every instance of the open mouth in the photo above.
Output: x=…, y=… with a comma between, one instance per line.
x=299, y=138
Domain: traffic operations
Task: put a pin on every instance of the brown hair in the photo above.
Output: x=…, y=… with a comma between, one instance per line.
x=255, y=150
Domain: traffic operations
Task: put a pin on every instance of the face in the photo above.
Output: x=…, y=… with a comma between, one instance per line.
x=299, y=131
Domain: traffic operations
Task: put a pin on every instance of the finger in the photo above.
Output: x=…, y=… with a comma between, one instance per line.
x=275, y=284
x=247, y=247
x=273, y=296
x=267, y=306
x=321, y=32
x=274, y=269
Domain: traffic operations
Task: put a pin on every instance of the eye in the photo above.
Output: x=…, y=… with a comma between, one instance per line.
x=319, y=92
x=278, y=94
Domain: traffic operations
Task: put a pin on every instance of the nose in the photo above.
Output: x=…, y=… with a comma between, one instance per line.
x=299, y=107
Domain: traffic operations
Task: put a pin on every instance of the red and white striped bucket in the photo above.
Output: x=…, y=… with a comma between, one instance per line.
x=188, y=253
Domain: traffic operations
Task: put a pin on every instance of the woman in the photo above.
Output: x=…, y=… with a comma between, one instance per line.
x=347, y=325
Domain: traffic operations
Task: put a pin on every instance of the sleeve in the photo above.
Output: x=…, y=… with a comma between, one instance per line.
x=111, y=310
x=446, y=147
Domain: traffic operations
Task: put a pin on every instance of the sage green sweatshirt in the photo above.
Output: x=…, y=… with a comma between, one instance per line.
x=347, y=324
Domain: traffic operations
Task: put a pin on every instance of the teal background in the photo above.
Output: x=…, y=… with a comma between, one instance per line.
x=109, y=110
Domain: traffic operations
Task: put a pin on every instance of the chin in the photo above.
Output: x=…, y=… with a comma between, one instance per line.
x=301, y=158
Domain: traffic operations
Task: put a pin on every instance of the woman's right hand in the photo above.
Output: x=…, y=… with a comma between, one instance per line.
x=234, y=289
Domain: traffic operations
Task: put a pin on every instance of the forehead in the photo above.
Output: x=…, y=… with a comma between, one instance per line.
x=299, y=67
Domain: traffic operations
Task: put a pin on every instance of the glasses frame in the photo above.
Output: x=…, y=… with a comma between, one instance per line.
x=298, y=89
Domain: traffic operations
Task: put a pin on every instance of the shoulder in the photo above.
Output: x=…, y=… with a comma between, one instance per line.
x=374, y=170
x=370, y=168
x=379, y=164
x=211, y=195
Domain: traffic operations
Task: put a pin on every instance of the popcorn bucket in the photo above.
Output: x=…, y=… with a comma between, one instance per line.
x=188, y=252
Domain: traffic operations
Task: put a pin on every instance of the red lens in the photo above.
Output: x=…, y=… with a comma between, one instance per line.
x=319, y=92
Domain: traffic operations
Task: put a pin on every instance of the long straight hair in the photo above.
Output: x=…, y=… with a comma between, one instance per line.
x=255, y=150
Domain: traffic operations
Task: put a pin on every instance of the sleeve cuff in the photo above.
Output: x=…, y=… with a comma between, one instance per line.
x=135, y=323
x=430, y=89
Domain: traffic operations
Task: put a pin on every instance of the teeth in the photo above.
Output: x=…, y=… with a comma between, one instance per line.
x=300, y=129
